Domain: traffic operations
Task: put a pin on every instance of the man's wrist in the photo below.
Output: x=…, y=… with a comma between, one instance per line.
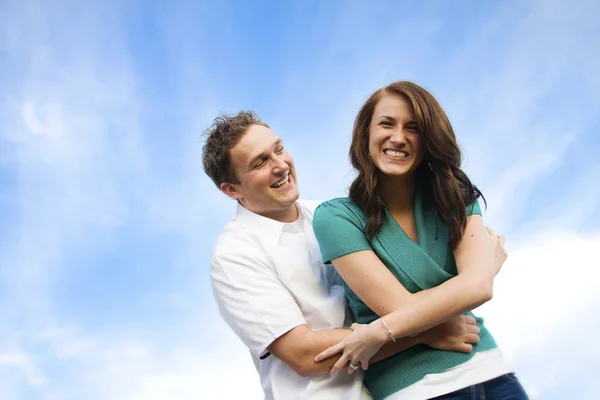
x=420, y=338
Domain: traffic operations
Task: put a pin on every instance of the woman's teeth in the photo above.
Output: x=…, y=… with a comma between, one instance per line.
x=394, y=153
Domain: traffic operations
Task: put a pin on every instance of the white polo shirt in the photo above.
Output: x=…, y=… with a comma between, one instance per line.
x=268, y=278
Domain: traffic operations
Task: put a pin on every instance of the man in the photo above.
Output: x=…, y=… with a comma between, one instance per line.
x=269, y=282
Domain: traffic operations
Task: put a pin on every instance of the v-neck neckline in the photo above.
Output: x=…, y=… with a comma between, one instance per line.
x=417, y=212
x=419, y=261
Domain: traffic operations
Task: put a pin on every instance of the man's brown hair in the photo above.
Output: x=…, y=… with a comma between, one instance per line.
x=222, y=135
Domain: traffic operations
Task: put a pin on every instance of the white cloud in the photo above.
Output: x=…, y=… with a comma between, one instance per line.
x=22, y=364
x=545, y=309
x=118, y=367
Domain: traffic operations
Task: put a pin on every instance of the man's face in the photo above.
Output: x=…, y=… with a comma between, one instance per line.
x=265, y=171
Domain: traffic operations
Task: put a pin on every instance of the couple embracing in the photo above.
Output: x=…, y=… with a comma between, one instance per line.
x=367, y=296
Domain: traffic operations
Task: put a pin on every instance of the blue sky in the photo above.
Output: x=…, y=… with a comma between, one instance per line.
x=107, y=220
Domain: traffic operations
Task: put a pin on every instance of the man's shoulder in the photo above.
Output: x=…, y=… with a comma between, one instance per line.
x=309, y=205
x=234, y=239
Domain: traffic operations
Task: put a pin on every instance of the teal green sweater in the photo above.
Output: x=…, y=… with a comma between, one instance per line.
x=339, y=226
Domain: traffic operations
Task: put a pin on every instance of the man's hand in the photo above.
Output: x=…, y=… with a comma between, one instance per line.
x=499, y=251
x=456, y=334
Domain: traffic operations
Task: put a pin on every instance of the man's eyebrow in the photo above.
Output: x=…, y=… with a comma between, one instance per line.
x=263, y=154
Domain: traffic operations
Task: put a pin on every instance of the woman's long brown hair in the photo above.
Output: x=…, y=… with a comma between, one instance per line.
x=442, y=180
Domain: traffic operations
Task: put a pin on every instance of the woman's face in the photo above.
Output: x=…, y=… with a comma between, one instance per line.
x=394, y=137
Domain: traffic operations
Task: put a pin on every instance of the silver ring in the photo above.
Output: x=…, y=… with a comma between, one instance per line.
x=353, y=367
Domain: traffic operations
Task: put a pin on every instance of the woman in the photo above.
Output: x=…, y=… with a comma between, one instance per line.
x=413, y=251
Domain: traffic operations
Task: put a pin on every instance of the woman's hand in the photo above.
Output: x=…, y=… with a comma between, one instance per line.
x=357, y=348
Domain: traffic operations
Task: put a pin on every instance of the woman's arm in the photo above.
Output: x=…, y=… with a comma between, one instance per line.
x=479, y=257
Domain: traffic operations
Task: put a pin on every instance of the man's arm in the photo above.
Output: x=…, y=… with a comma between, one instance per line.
x=299, y=346
x=264, y=314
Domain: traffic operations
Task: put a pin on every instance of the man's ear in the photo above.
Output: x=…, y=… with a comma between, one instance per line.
x=231, y=190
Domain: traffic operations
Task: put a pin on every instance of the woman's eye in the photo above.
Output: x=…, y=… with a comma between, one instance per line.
x=413, y=128
x=385, y=123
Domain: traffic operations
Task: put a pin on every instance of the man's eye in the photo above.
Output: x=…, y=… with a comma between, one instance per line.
x=279, y=150
x=259, y=164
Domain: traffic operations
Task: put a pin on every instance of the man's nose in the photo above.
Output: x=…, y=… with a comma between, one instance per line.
x=280, y=166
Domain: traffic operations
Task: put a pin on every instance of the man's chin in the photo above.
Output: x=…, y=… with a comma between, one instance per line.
x=290, y=195
x=289, y=201
x=295, y=196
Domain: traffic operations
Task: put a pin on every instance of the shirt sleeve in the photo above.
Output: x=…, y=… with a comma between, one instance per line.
x=338, y=231
x=252, y=300
x=474, y=208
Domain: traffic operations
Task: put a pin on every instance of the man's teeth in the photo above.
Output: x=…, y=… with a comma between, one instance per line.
x=395, y=153
x=282, y=182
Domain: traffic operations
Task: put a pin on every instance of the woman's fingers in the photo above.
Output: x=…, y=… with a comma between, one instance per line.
x=365, y=364
x=339, y=365
x=353, y=366
x=333, y=350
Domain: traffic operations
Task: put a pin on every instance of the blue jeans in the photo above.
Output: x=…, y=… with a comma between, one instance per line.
x=505, y=387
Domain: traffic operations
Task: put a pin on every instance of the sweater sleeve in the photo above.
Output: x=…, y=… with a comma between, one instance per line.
x=474, y=208
x=338, y=230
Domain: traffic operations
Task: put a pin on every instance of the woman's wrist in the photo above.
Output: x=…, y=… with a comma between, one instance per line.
x=379, y=332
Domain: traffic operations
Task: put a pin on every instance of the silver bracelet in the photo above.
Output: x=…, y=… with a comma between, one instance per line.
x=388, y=330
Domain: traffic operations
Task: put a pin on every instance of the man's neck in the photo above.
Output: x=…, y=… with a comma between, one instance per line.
x=286, y=215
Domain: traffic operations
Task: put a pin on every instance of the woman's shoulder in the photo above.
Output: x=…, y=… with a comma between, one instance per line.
x=342, y=207
x=340, y=204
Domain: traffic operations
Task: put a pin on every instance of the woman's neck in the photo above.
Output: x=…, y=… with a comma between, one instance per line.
x=397, y=192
